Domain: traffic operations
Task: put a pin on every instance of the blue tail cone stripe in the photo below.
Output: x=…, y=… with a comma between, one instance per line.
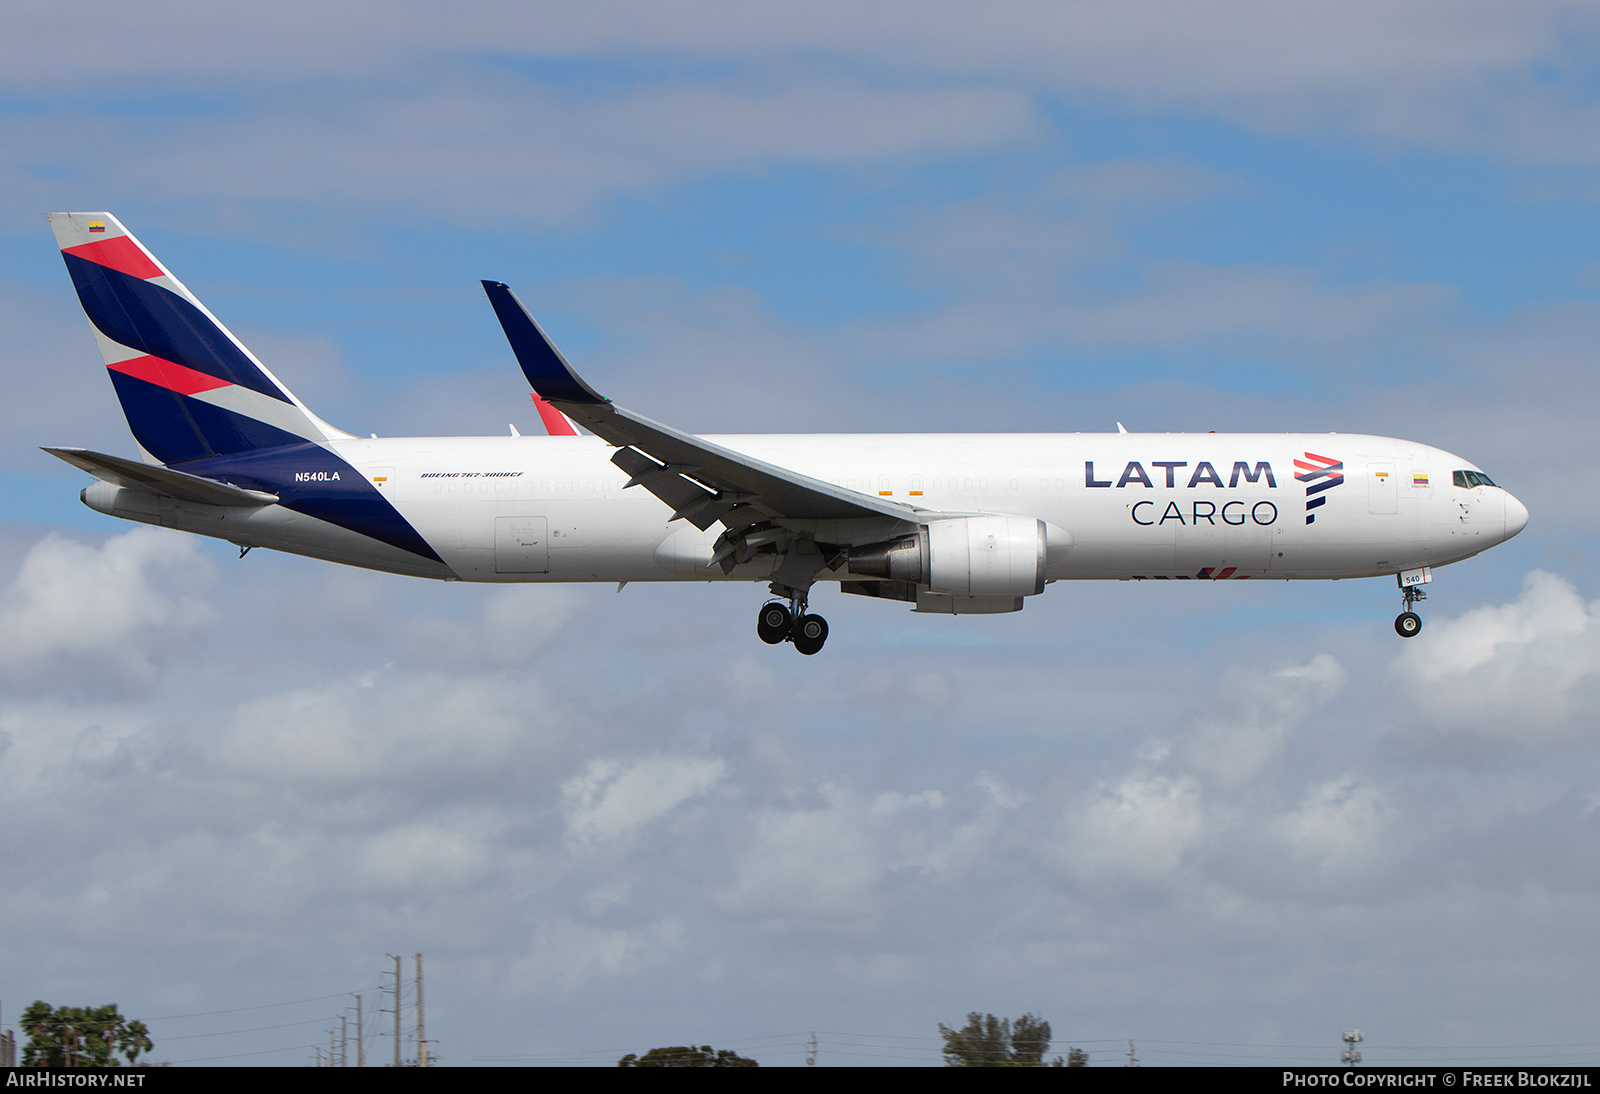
x=349, y=501
x=370, y=515
x=163, y=324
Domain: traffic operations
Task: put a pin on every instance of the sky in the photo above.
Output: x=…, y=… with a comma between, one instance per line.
x=1223, y=822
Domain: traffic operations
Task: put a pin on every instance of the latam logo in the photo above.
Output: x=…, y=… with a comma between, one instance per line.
x=1205, y=474
x=1313, y=468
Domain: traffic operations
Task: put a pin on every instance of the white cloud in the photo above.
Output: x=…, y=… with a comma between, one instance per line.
x=1341, y=829
x=426, y=855
x=109, y=611
x=497, y=150
x=384, y=724
x=837, y=862
x=1456, y=74
x=1249, y=722
x=1522, y=673
x=179, y=835
x=613, y=799
x=955, y=849
x=56, y=390
x=511, y=626
x=664, y=332
x=1175, y=305
x=567, y=955
x=1140, y=827
x=814, y=865
x=1186, y=301
x=1071, y=221
x=1183, y=798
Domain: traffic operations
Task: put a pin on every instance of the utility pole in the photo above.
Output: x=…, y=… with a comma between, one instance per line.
x=1350, y=1057
x=811, y=1057
x=361, y=1041
x=396, y=1010
x=1133, y=1061
x=422, y=1039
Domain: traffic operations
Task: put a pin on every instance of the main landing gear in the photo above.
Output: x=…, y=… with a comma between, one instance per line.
x=1408, y=624
x=780, y=622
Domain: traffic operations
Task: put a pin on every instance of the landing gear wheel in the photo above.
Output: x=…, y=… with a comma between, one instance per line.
x=1408, y=624
x=810, y=633
x=774, y=622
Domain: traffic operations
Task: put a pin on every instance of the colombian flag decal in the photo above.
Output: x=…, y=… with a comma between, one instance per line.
x=97, y=226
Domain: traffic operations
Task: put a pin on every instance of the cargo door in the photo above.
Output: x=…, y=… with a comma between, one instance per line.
x=520, y=546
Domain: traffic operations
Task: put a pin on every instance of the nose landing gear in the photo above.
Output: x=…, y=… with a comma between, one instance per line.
x=1408, y=624
x=780, y=622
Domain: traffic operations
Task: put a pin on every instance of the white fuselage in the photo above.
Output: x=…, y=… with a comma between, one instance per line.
x=1138, y=505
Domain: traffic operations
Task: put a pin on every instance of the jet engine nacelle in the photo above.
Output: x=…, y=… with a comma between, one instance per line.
x=987, y=556
x=965, y=556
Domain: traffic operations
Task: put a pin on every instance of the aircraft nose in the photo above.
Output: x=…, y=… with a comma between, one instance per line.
x=1516, y=516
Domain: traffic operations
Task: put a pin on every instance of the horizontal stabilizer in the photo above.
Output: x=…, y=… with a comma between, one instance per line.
x=161, y=480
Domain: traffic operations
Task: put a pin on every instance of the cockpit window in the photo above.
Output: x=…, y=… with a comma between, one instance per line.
x=1468, y=479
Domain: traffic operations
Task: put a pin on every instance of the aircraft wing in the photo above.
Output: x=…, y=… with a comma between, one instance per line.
x=161, y=480
x=703, y=482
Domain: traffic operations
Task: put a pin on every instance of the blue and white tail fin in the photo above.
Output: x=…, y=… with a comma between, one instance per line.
x=189, y=388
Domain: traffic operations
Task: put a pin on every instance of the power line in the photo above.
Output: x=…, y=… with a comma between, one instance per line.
x=262, y=1006
x=229, y=1032
x=241, y=1055
x=123, y=996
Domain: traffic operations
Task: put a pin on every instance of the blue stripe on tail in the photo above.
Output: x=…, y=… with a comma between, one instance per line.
x=174, y=428
x=161, y=323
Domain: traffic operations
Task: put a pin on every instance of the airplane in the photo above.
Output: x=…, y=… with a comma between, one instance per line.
x=951, y=524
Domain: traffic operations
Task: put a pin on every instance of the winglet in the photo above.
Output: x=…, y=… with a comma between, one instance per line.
x=549, y=373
